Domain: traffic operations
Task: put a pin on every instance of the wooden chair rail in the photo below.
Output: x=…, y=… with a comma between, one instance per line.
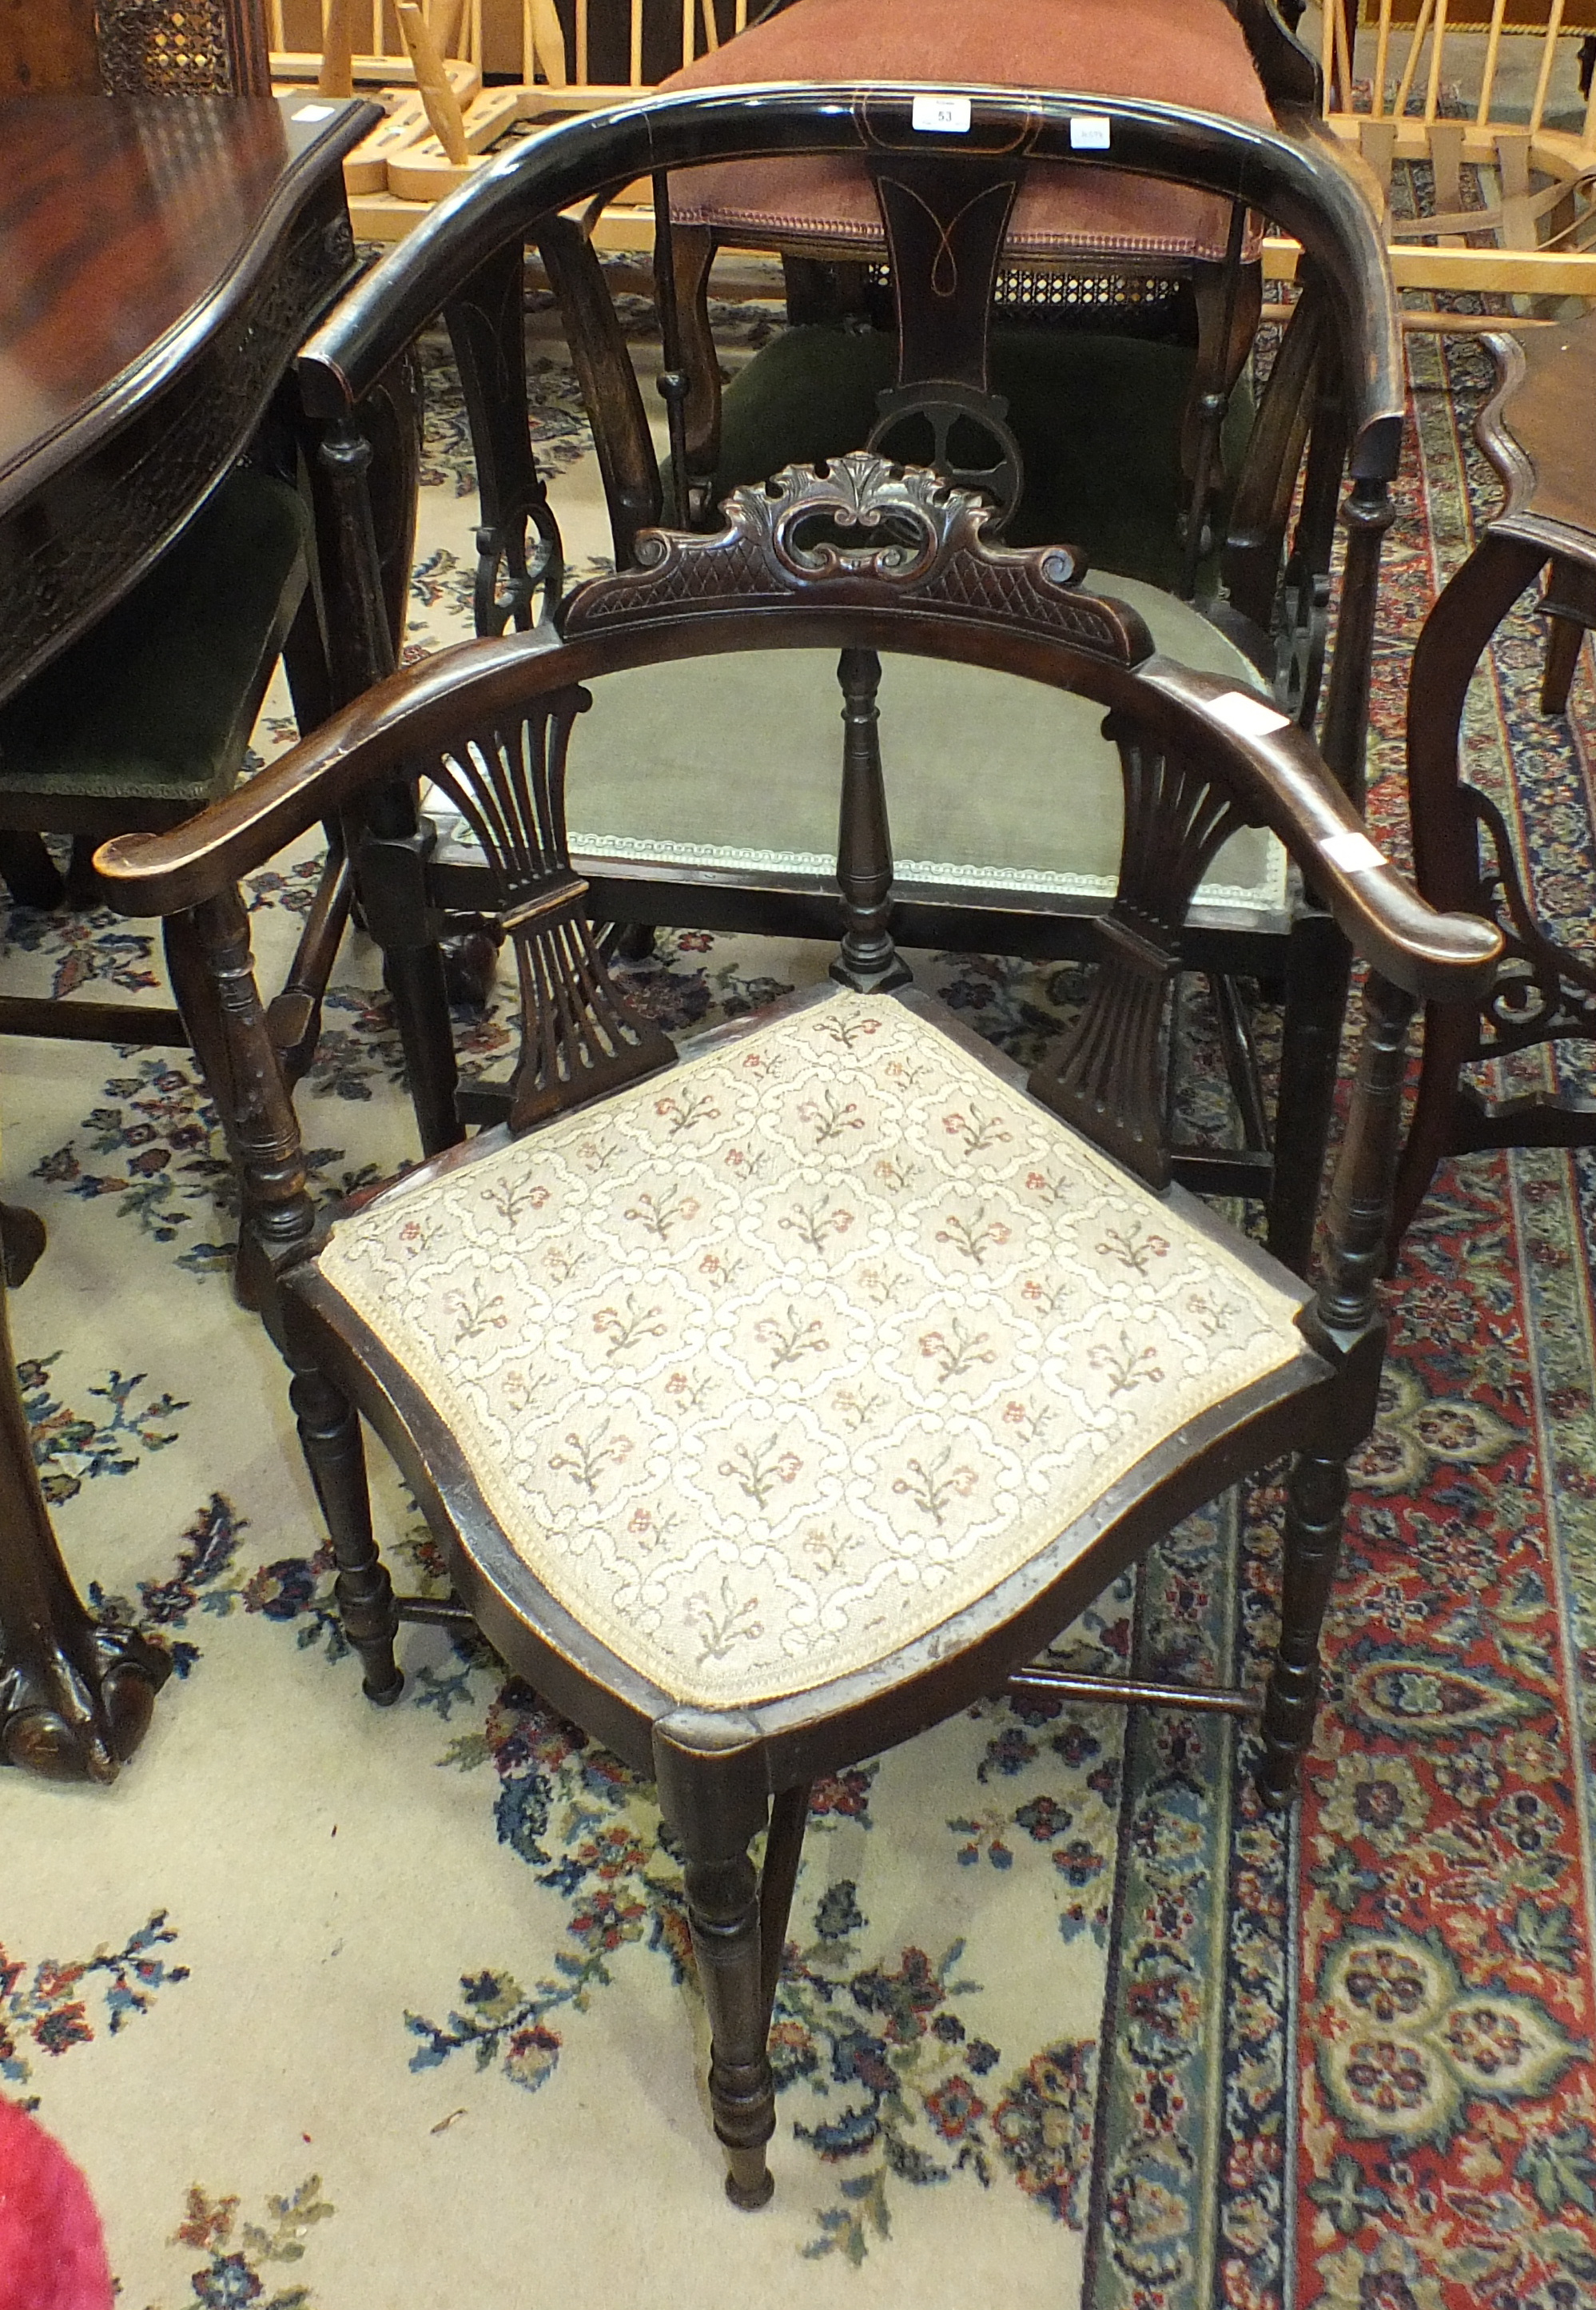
x=1277, y=777
x=1535, y=229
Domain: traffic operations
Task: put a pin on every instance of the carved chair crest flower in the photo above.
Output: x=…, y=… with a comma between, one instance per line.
x=775, y=1399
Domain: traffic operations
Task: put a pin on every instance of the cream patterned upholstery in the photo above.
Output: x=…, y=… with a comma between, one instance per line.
x=771, y=1363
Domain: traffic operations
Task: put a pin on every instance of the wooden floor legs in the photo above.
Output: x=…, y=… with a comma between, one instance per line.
x=330, y=1434
x=1315, y=1499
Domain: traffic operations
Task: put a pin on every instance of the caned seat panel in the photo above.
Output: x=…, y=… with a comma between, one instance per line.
x=770, y=1364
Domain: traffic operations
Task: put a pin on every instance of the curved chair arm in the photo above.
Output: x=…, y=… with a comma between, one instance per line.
x=1277, y=777
x=354, y=748
x=1291, y=172
x=1433, y=956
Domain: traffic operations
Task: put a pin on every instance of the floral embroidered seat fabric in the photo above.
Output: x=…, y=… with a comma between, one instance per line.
x=773, y=1362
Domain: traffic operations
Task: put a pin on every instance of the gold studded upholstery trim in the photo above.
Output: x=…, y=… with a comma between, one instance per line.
x=771, y=1364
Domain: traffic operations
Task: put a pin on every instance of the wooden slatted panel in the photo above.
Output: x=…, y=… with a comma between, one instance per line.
x=1538, y=182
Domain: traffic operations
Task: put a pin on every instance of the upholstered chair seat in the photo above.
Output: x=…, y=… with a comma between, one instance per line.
x=775, y=1362
x=1190, y=52
x=973, y=763
x=154, y=706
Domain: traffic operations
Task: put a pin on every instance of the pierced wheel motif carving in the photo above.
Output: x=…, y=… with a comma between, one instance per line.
x=519, y=560
x=950, y=410
x=1301, y=631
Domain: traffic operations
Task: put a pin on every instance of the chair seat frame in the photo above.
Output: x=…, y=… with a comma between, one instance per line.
x=491, y=721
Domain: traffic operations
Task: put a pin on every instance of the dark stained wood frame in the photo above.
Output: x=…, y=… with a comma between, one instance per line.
x=1539, y=431
x=915, y=572
x=467, y=258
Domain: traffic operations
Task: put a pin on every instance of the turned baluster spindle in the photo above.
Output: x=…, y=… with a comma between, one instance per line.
x=867, y=958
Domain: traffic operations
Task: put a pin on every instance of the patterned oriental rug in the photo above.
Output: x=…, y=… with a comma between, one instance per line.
x=348, y=2011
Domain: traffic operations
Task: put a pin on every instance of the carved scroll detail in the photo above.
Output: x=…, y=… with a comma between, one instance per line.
x=860, y=533
x=578, y=1039
x=1107, y=1079
x=1542, y=992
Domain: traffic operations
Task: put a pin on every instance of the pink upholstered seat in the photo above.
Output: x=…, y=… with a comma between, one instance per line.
x=1189, y=52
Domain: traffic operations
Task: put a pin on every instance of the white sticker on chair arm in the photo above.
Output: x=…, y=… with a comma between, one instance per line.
x=943, y=115
x=1090, y=132
x=1249, y=717
x=1352, y=852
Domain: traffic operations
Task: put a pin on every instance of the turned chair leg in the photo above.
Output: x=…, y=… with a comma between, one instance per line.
x=330, y=1434
x=1452, y=1033
x=29, y=871
x=784, y=1850
x=1315, y=1504
x=723, y=1910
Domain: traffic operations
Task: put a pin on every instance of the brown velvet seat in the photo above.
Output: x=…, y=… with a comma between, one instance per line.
x=1192, y=52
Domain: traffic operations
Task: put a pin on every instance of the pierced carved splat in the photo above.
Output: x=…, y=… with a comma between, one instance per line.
x=861, y=533
x=1543, y=992
x=520, y=554
x=945, y=223
x=578, y=1039
x=1108, y=1079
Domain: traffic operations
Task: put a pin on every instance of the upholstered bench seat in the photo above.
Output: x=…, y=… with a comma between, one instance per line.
x=155, y=705
x=991, y=785
x=774, y=1362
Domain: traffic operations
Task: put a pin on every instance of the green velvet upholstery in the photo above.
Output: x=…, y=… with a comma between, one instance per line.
x=732, y=767
x=1098, y=418
x=155, y=703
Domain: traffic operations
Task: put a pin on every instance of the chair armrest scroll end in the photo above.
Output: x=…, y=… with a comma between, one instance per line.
x=158, y=874
x=1278, y=775
x=323, y=387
